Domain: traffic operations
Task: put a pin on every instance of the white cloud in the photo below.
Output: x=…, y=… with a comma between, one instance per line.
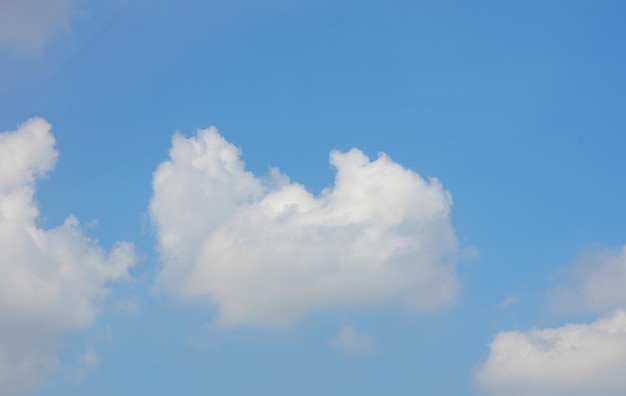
x=576, y=359
x=265, y=250
x=50, y=280
x=31, y=23
x=87, y=362
x=349, y=340
x=89, y=359
x=596, y=283
x=508, y=301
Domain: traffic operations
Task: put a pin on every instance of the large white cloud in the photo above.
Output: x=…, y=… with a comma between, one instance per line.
x=50, y=280
x=595, y=283
x=265, y=250
x=31, y=23
x=576, y=359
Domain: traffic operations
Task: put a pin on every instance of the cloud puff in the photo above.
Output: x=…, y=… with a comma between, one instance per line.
x=596, y=283
x=508, y=301
x=31, y=23
x=349, y=340
x=576, y=359
x=265, y=250
x=50, y=280
x=88, y=361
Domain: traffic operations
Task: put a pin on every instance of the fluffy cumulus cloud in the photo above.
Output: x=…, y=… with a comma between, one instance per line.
x=265, y=250
x=576, y=359
x=349, y=340
x=50, y=280
x=30, y=23
x=596, y=283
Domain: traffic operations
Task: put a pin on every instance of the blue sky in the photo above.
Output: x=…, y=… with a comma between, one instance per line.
x=516, y=109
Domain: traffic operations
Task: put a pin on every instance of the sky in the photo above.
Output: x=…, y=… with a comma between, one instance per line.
x=296, y=197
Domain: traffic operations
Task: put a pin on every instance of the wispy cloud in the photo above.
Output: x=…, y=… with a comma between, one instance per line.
x=595, y=283
x=129, y=306
x=349, y=340
x=508, y=301
x=87, y=362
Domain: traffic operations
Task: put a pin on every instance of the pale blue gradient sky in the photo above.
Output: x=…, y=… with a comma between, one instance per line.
x=516, y=107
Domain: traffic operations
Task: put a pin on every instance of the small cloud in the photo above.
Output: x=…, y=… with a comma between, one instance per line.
x=89, y=359
x=349, y=340
x=129, y=306
x=86, y=362
x=108, y=332
x=594, y=283
x=508, y=301
x=470, y=253
x=94, y=223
